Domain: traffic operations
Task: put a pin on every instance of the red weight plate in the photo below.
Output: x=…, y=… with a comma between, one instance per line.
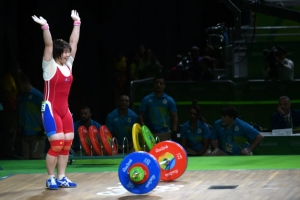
x=101, y=143
x=172, y=159
x=95, y=139
x=85, y=140
x=145, y=169
x=107, y=141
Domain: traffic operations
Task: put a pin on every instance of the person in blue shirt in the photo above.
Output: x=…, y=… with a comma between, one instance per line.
x=232, y=136
x=159, y=113
x=120, y=122
x=86, y=121
x=29, y=113
x=195, y=133
x=285, y=117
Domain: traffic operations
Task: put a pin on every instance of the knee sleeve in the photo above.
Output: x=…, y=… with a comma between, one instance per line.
x=55, y=147
x=66, y=148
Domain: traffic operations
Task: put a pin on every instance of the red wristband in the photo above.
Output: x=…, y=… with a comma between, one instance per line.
x=45, y=27
x=77, y=23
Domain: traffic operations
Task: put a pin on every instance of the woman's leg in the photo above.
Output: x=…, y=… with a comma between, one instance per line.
x=64, y=157
x=56, y=144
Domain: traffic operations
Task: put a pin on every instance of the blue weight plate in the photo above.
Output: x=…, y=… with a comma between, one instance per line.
x=152, y=165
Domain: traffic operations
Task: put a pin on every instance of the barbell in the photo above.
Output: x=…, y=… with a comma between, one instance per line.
x=140, y=171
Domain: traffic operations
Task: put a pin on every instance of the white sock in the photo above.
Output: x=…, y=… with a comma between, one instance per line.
x=51, y=176
x=60, y=176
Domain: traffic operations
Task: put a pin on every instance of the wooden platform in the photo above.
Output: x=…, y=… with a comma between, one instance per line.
x=251, y=184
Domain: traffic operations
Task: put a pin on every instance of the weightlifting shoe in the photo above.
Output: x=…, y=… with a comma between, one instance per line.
x=65, y=182
x=51, y=184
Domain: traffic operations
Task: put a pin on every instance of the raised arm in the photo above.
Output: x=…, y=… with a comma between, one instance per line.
x=74, y=38
x=47, y=37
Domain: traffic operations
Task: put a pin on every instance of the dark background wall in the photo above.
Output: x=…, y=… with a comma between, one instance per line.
x=167, y=27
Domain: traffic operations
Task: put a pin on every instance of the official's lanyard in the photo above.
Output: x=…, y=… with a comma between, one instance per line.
x=289, y=121
x=228, y=134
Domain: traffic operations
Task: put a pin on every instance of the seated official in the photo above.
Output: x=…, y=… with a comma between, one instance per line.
x=86, y=121
x=120, y=122
x=285, y=117
x=195, y=133
x=233, y=136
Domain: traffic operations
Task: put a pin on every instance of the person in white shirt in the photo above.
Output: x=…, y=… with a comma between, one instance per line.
x=285, y=66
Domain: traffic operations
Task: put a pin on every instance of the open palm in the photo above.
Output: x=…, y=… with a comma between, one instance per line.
x=40, y=20
x=75, y=15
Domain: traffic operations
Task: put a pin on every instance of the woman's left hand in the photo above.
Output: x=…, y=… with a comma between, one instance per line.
x=75, y=15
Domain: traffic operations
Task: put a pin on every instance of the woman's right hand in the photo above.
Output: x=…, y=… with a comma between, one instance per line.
x=40, y=20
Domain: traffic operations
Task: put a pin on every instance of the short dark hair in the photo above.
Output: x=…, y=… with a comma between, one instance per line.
x=159, y=77
x=121, y=95
x=284, y=97
x=84, y=107
x=196, y=107
x=59, y=47
x=195, y=48
x=229, y=111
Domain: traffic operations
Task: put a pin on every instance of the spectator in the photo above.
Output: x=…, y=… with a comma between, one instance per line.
x=153, y=67
x=175, y=71
x=9, y=96
x=208, y=69
x=121, y=74
x=285, y=65
x=232, y=136
x=86, y=121
x=211, y=52
x=134, y=67
x=285, y=117
x=120, y=122
x=195, y=133
x=277, y=65
x=29, y=111
x=271, y=64
x=137, y=64
x=159, y=113
x=194, y=64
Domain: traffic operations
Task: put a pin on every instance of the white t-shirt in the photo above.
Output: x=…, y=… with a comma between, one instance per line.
x=49, y=68
x=286, y=73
